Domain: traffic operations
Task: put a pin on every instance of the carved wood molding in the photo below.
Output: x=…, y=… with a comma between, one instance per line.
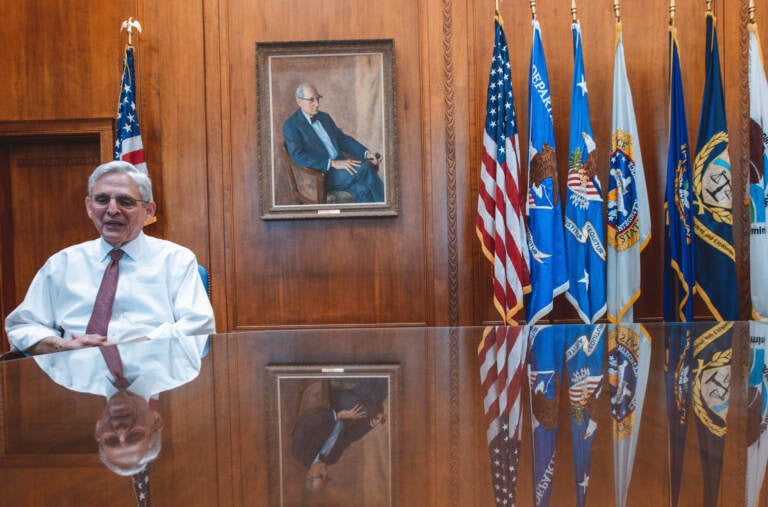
x=453, y=271
x=740, y=175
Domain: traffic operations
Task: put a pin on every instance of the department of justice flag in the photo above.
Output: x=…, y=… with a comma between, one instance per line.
x=501, y=357
x=128, y=145
x=500, y=224
x=584, y=230
x=679, y=275
x=715, y=263
x=545, y=376
x=629, y=216
x=758, y=192
x=549, y=276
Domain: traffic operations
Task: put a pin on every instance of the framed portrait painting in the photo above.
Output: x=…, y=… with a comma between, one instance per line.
x=327, y=129
x=332, y=435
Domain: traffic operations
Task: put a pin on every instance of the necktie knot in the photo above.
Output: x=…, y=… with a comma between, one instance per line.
x=116, y=254
x=312, y=118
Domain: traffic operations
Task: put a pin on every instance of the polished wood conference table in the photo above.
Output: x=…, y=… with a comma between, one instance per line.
x=475, y=416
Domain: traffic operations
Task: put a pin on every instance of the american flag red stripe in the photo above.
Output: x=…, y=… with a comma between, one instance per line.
x=501, y=356
x=500, y=224
x=128, y=143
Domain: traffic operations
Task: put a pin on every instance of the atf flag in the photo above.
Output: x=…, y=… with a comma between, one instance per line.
x=758, y=161
x=500, y=226
x=501, y=356
x=713, y=220
x=629, y=217
x=545, y=221
x=128, y=145
x=584, y=231
x=678, y=247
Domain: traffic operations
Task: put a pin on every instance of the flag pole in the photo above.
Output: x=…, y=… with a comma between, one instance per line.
x=672, y=13
x=573, y=10
x=128, y=25
x=709, y=5
x=752, y=11
x=616, y=10
x=532, y=3
x=498, y=13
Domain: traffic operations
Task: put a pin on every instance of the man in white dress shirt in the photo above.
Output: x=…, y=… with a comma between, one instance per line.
x=159, y=290
x=128, y=431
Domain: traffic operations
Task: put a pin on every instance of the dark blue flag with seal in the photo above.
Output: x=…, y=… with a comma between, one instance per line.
x=678, y=368
x=679, y=274
x=712, y=195
x=710, y=398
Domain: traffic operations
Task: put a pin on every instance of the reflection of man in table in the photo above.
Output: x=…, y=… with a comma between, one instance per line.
x=314, y=141
x=130, y=377
x=320, y=438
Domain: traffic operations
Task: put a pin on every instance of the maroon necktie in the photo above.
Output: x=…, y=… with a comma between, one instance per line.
x=115, y=364
x=102, y=308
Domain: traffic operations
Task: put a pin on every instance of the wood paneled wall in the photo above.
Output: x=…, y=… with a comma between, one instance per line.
x=197, y=81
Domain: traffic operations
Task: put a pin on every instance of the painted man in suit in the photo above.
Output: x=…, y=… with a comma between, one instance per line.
x=321, y=437
x=313, y=140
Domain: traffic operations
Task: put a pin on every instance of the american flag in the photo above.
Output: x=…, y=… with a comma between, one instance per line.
x=128, y=145
x=499, y=225
x=501, y=356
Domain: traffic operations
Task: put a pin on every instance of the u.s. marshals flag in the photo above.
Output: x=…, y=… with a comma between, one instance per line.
x=500, y=225
x=712, y=192
x=679, y=275
x=549, y=276
x=758, y=192
x=501, y=356
x=629, y=216
x=584, y=230
x=128, y=145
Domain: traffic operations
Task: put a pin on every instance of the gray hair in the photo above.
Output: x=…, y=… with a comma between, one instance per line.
x=120, y=166
x=299, y=93
x=153, y=450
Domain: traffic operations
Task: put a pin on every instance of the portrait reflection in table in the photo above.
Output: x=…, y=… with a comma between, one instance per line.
x=128, y=431
x=336, y=441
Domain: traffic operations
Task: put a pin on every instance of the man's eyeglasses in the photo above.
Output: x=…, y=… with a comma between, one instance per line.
x=123, y=201
x=316, y=98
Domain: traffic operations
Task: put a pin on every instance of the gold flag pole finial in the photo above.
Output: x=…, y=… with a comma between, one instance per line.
x=532, y=3
x=709, y=5
x=573, y=10
x=671, y=12
x=128, y=25
x=751, y=11
x=616, y=11
x=498, y=12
